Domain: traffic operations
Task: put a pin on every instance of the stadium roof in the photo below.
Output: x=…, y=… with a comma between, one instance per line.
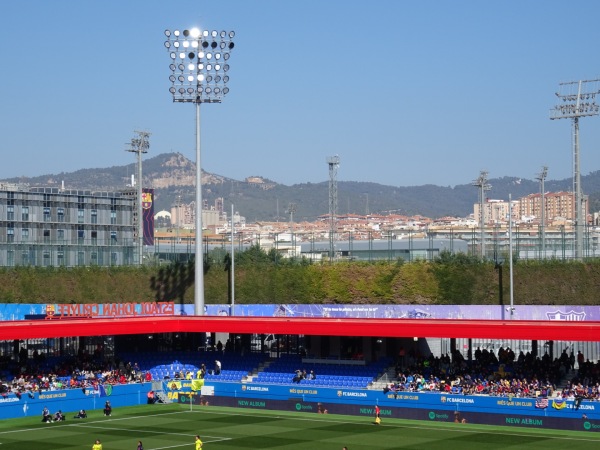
x=449, y=328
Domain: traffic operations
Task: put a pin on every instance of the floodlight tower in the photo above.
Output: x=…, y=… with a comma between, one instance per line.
x=199, y=66
x=578, y=100
x=541, y=177
x=291, y=210
x=334, y=163
x=482, y=183
x=140, y=144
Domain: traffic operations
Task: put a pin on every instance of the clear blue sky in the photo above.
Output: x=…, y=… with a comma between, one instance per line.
x=405, y=92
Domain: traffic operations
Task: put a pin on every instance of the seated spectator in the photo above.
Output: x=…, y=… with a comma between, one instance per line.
x=46, y=417
x=298, y=377
x=312, y=375
x=80, y=415
x=148, y=376
x=58, y=416
x=107, y=408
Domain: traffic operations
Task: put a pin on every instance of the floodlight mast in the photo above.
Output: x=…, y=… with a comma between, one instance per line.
x=140, y=144
x=576, y=96
x=482, y=183
x=541, y=177
x=199, y=75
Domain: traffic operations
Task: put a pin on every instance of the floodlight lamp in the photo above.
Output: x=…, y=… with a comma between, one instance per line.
x=209, y=67
x=209, y=78
x=213, y=44
x=230, y=45
x=182, y=55
x=190, y=78
x=208, y=55
x=195, y=32
x=218, y=79
x=167, y=44
x=191, y=55
x=223, y=45
x=181, y=90
x=176, y=32
x=190, y=90
x=214, y=33
x=199, y=90
x=172, y=67
x=226, y=67
x=181, y=67
x=167, y=33
x=232, y=34
x=201, y=55
x=200, y=66
x=200, y=77
x=217, y=90
x=225, y=90
x=217, y=67
x=172, y=78
x=207, y=90
x=176, y=44
x=223, y=33
x=186, y=44
x=217, y=56
x=173, y=55
x=181, y=78
x=226, y=79
x=191, y=66
x=205, y=33
x=195, y=44
x=186, y=33
x=225, y=56
x=204, y=44
x=172, y=90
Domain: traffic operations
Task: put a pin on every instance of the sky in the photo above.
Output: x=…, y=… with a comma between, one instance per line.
x=406, y=93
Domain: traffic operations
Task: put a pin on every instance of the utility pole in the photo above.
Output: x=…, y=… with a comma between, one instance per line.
x=291, y=210
x=139, y=144
x=333, y=162
x=482, y=184
x=542, y=178
x=578, y=99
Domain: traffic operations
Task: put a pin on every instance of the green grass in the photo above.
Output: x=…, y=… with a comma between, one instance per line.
x=174, y=427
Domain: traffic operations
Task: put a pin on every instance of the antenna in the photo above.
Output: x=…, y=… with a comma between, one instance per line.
x=577, y=99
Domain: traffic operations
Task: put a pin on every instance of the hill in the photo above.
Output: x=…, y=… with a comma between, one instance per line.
x=173, y=175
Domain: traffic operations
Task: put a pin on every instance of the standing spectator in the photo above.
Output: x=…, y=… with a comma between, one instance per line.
x=217, y=367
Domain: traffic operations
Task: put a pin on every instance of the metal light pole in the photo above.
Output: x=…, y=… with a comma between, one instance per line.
x=542, y=178
x=232, y=266
x=576, y=96
x=199, y=75
x=139, y=145
x=482, y=183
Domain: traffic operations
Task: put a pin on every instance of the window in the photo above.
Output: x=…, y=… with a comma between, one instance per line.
x=60, y=234
x=80, y=234
x=60, y=257
x=46, y=214
x=113, y=217
x=61, y=214
x=10, y=258
x=113, y=258
x=80, y=215
x=113, y=237
x=80, y=258
x=25, y=234
x=94, y=258
x=10, y=213
x=46, y=260
x=46, y=235
x=10, y=235
x=94, y=216
x=25, y=213
x=94, y=237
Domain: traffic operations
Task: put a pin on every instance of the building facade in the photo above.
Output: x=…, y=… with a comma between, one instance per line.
x=62, y=227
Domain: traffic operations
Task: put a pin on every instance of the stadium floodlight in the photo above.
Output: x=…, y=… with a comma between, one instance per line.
x=577, y=99
x=199, y=66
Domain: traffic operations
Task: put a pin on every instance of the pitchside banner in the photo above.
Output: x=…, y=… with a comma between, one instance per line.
x=148, y=215
x=13, y=311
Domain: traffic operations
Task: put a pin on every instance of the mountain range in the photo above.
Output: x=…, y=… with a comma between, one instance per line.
x=173, y=176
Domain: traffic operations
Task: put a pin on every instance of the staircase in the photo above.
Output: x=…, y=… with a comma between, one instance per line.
x=384, y=380
x=162, y=397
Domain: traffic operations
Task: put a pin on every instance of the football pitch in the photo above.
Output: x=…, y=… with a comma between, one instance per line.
x=174, y=427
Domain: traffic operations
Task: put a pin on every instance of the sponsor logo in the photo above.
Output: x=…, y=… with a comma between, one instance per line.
x=301, y=407
x=351, y=394
x=435, y=416
x=457, y=400
x=525, y=422
x=146, y=200
x=252, y=404
x=256, y=388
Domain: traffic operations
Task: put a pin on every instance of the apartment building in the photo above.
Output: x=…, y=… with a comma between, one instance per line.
x=63, y=227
